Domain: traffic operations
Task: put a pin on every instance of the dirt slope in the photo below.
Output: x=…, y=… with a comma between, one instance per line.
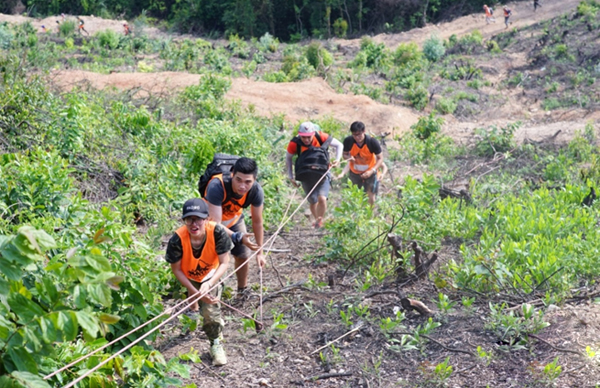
x=522, y=12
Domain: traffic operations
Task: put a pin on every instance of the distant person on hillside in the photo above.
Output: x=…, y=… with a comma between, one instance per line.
x=63, y=17
x=507, y=15
x=44, y=29
x=488, y=14
x=312, y=163
x=364, y=157
x=58, y=27
x=536, y=4
x=81, y=26
x=126, y=29
x=199, y=255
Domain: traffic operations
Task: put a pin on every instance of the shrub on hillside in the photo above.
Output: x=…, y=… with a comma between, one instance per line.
x=427, y=126
x=6, y=37
x=418, y=96
x=108, y=39
x=66, y=28
x=406, y=53
x=318, y=56
x=434, y=49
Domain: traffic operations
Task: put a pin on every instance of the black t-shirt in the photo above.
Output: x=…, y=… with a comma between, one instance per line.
x=370, y=142
x=215, y=194
x=223, y=244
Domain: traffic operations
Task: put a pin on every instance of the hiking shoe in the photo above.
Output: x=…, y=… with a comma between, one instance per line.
x=318, y=223
x=218, y=353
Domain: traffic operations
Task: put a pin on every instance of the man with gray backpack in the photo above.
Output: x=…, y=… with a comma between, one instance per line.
x=312, y=166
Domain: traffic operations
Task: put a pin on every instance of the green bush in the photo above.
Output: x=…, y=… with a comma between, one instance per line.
x=66, y=28
x=238, y=46
x=107, y=39
x=418, y=96
x=493, y=47
x=406, y=53
x=340, y=27
x=318, y=56
x=426, y=126
x=496, y=140
x=267, y=43
x=445, y=105
x=275, y=76
x=6, y=36
x=434, y=49
x=296, y=69
x=376, y=55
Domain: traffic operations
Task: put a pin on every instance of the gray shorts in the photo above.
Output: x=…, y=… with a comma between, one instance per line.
x=240, y=250
x=321, y=191
x=368, y=185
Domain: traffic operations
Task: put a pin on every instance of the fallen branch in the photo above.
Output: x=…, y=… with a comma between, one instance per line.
x=420, y=307
x=337, y=339
x=356, y=257
x=554, y=347
x=283, y=290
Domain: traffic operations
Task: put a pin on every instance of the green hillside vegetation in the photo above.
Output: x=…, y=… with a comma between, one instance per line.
x=91, y=181
x=287, y=20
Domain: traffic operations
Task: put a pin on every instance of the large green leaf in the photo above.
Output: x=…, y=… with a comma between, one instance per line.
x=11, y=270
x=50, y=288
x=49, y=334
x=4, y=286
x=67, y=323
x=109, y=318
x=39, y=241
x=22, y=359
x=26, y=309
x=30, y=380
x=79, y=296
x=97, y=261
x=88, y=322
x=100, y=293
x=6, y=327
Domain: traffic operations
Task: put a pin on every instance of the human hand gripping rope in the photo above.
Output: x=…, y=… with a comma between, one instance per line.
x=190, y=300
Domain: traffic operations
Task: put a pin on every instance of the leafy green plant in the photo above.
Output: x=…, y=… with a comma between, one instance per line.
x=513, y=329
x=267, y=43
x=108, y=39
x=418, y=96
x=318, y=56
x=66, y=28
x=496, y=140
x=445, y=105
x=434, y=49
x=437, y=374
x=427, y=126
x=444, y=304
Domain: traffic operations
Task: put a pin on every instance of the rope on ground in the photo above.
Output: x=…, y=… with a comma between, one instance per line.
x=197, y=296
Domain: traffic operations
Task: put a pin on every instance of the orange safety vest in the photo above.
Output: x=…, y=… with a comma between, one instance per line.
x=204, y=267
x=233, y=208
x=364, y=159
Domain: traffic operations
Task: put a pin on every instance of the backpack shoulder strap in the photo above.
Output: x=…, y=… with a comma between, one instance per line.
x=327, y=142
x=298, y=142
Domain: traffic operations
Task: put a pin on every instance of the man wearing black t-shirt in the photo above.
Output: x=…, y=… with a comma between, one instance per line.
x=199, y=255
x=364, y=156
x=227, y=196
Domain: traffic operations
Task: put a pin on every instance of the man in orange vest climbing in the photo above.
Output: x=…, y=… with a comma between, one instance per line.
x=226, y=197
x=312, y=163
x=81, y=26
x=364, y=156
x=488, y=14
x=507, y=15
x=199, y=255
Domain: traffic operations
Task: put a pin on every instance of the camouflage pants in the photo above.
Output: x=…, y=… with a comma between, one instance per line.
x=213, y=323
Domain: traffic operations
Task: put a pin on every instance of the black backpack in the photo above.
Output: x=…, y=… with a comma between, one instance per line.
x=314, y=162
x=221, y=164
